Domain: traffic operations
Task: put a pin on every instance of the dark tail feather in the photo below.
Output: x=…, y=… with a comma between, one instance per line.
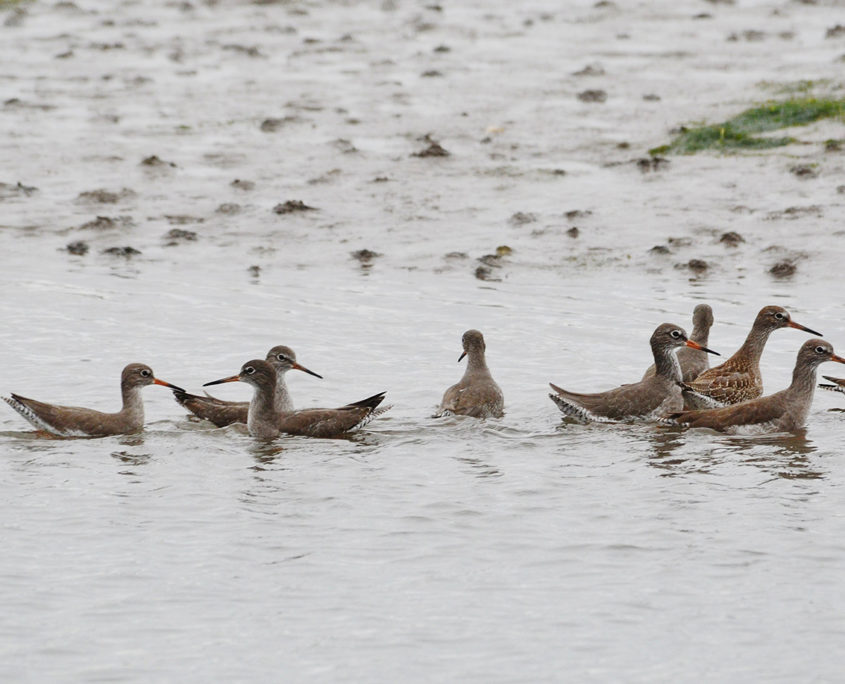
x=369, y=402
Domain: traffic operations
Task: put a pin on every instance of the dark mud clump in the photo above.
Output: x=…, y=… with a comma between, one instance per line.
x=573, y=214
x=835, y=31
x=434, y=149
x=783, y=269
x=365, y=257
x=660, y=249
x=292, y=207
x=254, y=271
x=154, y=161
x=176, y=236
x=271, y=125
x=731, y=239
x=126, y=252
x=182, y=219
x=573, y=232
x=647, y=164
x=8, y=190
x=244, y=185
x=520, y=218
x=741, y=132
x=229, y=209
x=696, y=265
x=592, y=96
x=804, y=171
x=793, y=213
x=105, y=196
x=590, y=70
x=108, y=223
x=651, y=97
x=78, y=247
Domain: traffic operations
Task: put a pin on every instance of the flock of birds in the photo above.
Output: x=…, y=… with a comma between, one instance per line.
x=679, y=389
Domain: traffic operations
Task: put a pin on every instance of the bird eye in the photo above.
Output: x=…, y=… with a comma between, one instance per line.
x=249, y=370
x=145, y=373
x=282, y=357
x=821, y=350
x=676, y=334
x=779, y=316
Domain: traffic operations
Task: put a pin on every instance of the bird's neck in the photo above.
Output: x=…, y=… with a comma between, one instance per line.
x=282, y=400
x=666, y=363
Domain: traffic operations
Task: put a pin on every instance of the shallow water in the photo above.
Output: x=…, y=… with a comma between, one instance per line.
x=517, y=549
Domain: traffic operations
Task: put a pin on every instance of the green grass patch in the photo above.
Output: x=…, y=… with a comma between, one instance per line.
x=741, y=132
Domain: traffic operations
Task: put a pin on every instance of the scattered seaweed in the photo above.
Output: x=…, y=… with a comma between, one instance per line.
x=741, y=132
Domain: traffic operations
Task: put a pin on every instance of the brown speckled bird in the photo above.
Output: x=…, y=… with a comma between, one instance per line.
x=477, y=394
x=265, y=422
x=648, y=399
x=223, y=413
x=784, y=411
x=72, y=421
x=738, y=379
x=694, y=361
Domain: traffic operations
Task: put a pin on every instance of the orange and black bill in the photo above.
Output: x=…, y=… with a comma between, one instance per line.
x=696, y=345
x=305, y=370
x=838, y=359
x=233, y=378
x=156, y=381
x=793, y=324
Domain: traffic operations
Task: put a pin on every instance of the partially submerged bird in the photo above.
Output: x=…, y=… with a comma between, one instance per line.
x=265, y=422
x=477, y=394
x=738, y=379
x=784, y=411
x=648, y=399
x=72, y=421
x=694, y=361
x=223, y=413
x=837, y=386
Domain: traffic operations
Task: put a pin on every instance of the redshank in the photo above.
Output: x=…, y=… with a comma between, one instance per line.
x=837, y=386
x=693, y=361
x=650, y=398
x=223, y=413
x=265, y=422
x=72, y=421
x=738, y=379
x=784, y=411
x=477, y=394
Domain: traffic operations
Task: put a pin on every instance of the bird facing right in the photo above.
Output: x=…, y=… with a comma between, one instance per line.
x=784, y=411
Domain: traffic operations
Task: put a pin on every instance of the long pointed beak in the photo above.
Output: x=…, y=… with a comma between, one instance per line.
x=838, y=381
x=838, y=359
x=305, y=370
x=461, y=357
x=793, y=324
x=233, y=378
x=156, y=381
x=696, y=345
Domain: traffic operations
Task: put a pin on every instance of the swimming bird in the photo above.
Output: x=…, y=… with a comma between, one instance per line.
x=264, y=422
x=784, y=411
x=477, y=394
x=73, y=421
x=648, y=399
x=693, y=361
x=837, y=386
x=738, y=379
x=223, y=413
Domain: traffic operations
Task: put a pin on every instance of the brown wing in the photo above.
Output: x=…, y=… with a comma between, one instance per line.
x=219, y=412
x=727, y=388
x=70, y=421
x=628, y=401
x=478, y=400
x=332, y=422
x=748, y=413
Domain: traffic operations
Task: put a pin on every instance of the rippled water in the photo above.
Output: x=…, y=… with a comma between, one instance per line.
x=517, y=549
